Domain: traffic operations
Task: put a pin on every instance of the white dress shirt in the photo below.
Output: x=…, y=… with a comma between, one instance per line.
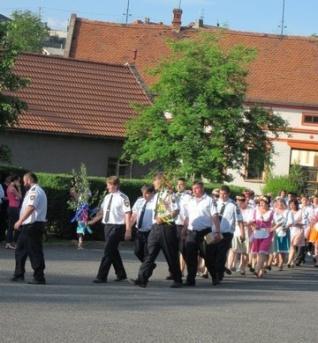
x=182, y=199
x=119, y=205
x=199, y=212
x=231, y=215
x=36, y=198
x=148, y=214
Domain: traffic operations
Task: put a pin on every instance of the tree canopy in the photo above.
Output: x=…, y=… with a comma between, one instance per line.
x=26, y=32
x=10, y=46
x=198, y=125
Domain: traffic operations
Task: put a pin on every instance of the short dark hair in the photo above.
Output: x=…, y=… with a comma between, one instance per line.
x=182, y=179
x=295, y=202
x=199, y=183
x=225, y=188
x=147, y=189
x=31, y=176
x=113, y=180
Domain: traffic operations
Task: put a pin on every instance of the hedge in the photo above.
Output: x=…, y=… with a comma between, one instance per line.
x=57, y=188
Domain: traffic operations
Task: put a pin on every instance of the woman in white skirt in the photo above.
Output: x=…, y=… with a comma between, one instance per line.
x=297, y=232
x=241, y=248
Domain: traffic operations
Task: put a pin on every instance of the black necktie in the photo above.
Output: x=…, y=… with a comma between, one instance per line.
x=141, y=217
x=221, y=211
x=108, y=209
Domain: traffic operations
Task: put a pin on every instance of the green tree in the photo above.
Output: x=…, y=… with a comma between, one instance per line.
x=208, y=130
x=26, y=32
x=10, y=106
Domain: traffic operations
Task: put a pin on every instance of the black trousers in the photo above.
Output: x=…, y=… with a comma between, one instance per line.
x=141, y=244
x=219, y=254
x=182, y=235
x=162, y=236
x=13, y=217
x=195, y=246
x=113, y=235
x=30, y=244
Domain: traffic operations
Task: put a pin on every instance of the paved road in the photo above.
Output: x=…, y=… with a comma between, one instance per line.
x=70, y=308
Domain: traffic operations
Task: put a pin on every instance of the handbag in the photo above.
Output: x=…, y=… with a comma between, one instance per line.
x=212, y=238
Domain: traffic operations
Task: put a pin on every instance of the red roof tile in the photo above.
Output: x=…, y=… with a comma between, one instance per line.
x=284, y=72
x=77, y=97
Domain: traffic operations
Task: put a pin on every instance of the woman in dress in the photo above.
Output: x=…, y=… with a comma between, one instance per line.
x=283, y=220
x=14, y=196
x=262, y=234
x=240, y=249
x=297, y=234
x=313, y=232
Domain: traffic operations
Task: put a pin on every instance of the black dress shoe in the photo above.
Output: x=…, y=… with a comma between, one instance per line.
x=37, y=282
x=215, y=281
x=137, y=282
x=17, y=279
x=122, y=278
x=176, y=285
x=227, y=271
x=169, y=277
x=100, y=280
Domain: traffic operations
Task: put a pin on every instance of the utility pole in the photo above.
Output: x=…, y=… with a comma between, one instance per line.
x=282, y=26
x=127, y=13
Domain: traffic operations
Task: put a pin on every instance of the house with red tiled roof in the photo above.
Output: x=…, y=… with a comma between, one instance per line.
x=283, y=77
x=77, y=111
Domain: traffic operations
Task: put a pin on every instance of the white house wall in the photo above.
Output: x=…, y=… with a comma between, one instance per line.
x=281, y=158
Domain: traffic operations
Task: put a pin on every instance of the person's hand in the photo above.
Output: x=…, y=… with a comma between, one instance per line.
x=159, y=220
x=127, y=235
x=17, y=225
x=242, y=239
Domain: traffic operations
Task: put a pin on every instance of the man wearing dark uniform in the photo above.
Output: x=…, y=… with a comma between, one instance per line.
x=115, y=215
x=31, y=224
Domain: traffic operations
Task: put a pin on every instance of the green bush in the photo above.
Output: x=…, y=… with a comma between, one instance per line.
x=295, y=182
x=57, y=188
x=6, y=170
x=276, y=184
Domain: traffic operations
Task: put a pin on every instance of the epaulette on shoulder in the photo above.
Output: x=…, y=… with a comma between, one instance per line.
x=124, y=196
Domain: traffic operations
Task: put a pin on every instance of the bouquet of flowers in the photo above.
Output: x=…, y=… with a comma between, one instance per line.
x=79, y=202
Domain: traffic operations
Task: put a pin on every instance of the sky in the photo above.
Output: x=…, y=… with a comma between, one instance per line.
x=244, y=15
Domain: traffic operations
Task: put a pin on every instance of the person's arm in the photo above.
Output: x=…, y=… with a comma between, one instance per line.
x=128, y=227
x=97, y=218
x=216, y=224
x=242, y=231
x=17, y=192
x=25, y=215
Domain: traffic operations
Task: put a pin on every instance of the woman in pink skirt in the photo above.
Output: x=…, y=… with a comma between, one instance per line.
x=262, y=234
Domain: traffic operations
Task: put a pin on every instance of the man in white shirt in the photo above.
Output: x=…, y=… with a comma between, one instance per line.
x=163, y=234
x=200, y=216
x=229, y=216
x=142, y=214
x=182, y=197
x=115, y=215
x=31, y=224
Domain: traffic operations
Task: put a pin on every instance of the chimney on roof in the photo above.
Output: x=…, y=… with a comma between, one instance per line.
x=70, y=34
x=176, y=22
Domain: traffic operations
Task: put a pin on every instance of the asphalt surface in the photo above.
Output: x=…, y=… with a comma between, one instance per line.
x=283, y=307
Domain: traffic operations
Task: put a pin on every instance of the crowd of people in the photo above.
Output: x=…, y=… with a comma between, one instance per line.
x=199, y=234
